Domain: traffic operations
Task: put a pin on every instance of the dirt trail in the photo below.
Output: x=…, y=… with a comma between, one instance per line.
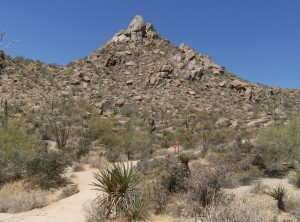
x=65, y=210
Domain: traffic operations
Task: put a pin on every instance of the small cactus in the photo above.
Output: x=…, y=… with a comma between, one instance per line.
x=5, y=115
x=151, y=123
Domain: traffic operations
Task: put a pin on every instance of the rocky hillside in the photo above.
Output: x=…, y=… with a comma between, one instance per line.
x=143, y=72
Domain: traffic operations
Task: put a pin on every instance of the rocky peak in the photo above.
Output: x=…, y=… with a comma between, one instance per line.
x=137, y=31
x=137, y=24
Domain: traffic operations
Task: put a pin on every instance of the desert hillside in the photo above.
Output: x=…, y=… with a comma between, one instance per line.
x=197, y=132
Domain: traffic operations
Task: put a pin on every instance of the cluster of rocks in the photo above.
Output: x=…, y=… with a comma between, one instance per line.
x=137, y=31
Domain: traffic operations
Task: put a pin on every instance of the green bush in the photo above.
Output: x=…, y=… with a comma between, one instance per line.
x=16, y=149
x=97, y=127
x=281, y=142
x=46, y=169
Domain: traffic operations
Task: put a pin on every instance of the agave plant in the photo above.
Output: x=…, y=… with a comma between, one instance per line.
x=116, y=182
x=278, y=193
x=135, y=207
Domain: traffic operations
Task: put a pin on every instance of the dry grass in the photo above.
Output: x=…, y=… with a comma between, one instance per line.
x=67, y=191
x=249, y=209
x=15, y=198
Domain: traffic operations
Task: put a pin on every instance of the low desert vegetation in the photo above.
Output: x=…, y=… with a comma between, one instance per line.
x=15, y=198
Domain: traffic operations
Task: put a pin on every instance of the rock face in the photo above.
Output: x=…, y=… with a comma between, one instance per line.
x=137, y=24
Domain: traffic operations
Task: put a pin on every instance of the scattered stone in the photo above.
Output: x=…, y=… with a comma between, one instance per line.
x=131, y=63
x=120, y=103
x=177, y=82
x=137, y=98
x=191, y=92
x=129, y=82
x=222, y=84
x=167, y=68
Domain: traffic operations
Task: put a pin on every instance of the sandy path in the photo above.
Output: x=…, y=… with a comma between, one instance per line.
x=65, y=210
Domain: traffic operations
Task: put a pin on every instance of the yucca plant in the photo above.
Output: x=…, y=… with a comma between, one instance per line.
x=135, y=207
x=278, y=193
x=116, y=182
x=296, y=178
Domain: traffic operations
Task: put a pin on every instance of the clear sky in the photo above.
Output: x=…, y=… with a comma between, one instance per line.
x=259, y=40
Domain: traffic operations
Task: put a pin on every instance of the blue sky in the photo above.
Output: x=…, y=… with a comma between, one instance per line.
x=259, y=40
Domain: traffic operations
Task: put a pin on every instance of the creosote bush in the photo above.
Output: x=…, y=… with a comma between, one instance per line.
x=46, y=169
x=16, y=148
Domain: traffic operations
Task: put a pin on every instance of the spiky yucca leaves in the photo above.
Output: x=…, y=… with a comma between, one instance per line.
x=117, y=182
x=278, y=193
x=135, y=207
x=185, y=158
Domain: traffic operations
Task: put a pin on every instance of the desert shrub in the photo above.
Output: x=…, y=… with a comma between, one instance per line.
x=94, y=211
x=82, y=148
x=77, y=167
x=14, y=198
x=233, y=209
x=168, y=139
x=281, y=142
x=97, y=127
x=112, y=139
x=113, y=154
x=295, y=178
x=46, y=169
x=174, y=176
x=135, y=142
x=16, y=149
x=259, y=188
x=129, y=110
x=205, y=184
x=146, y=167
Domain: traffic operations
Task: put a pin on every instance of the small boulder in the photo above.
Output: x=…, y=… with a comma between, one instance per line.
x=129, y=82
x=137, y=24
x=120, y=103
x=191, y=92
x=137, y=98
x=131, y=63
x=190, y=55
